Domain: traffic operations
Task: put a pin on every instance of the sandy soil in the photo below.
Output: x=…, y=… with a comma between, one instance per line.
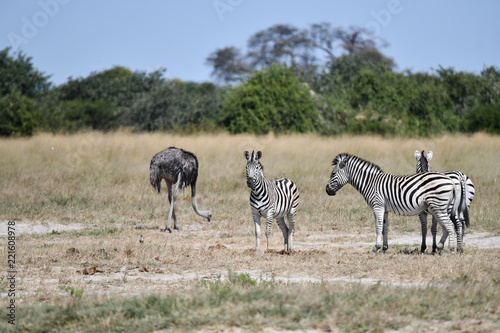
x=134, y=280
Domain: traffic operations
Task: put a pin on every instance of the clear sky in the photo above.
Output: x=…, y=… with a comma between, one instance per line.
x=72, y=38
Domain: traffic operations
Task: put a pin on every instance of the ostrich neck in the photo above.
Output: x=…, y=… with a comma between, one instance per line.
x=203, y=213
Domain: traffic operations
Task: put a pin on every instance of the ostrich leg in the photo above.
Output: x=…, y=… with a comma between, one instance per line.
x=170, y=199
x=172, y=196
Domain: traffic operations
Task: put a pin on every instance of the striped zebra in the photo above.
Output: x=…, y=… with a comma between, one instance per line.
x=271, y=199
x=466, y=187
x=403, y=195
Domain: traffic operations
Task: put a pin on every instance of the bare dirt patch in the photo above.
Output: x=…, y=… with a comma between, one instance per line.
x=38, y=227
x=173, y=263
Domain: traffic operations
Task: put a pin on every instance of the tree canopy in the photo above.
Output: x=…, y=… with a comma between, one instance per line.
x=272, y=99
x=324, y=79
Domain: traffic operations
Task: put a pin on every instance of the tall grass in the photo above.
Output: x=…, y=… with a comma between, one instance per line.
x=95, y=178
x=101, y=181
x=253, y=307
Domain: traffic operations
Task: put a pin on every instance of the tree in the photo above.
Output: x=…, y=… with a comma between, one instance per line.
x=21, y=86
x=175, y=104
x=228, y=65
x=298, y=49
x=18, y=114
x=279, y=44
x=271, y=100
x=355, y=39
x=17, y=74
x=342, y=72
x=484, y=117
x=118, y=84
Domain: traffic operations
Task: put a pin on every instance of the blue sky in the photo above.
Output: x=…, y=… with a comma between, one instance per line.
x=72, y=38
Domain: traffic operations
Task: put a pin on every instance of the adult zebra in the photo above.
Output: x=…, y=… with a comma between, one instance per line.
x=466, y=187
x=271, y=199
x=403, y=195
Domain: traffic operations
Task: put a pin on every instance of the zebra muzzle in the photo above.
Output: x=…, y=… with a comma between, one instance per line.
x=329, y=191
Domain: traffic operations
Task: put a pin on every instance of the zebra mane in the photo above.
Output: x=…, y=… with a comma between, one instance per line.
x=345, y=157
x=424, y=163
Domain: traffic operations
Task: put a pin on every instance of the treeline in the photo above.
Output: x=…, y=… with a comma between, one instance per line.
x=289, y=80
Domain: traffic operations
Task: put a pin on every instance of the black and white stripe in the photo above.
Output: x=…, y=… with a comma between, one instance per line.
x=462, y=183
x=277, y=198
x=403, y=195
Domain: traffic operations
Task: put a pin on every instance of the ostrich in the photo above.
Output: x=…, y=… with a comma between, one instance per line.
x=179, y=168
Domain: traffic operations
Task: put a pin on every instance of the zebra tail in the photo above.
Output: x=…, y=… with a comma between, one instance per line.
x=463, y=201
x=154, y=177
x=457, y=201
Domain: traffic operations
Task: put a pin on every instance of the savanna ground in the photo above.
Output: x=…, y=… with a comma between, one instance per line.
x=77, y=202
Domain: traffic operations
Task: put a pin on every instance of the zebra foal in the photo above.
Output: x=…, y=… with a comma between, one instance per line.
x=403, y=195
x=464, y=184
x=271, y=199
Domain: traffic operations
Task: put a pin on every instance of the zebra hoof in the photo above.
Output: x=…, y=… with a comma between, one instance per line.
x=443, y=252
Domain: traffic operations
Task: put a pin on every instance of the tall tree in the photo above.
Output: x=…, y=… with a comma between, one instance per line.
x=308, y=52
x=228, y=65
x=355, y=39
x=281, y=43
x=17, y=74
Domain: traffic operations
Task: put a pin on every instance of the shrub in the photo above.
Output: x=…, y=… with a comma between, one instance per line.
x=483, y=118
x=271, y=100
x=18, y=115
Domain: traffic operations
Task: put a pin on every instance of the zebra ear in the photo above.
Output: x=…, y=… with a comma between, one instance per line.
x=258, y=155
x=247, y=155
x=417, y=155
x=429, y=155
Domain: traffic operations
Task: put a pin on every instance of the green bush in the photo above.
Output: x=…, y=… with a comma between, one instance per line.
x=82, y=114
x=18, y=115
x=484, y=118
x=271, y=100
x=174, y=105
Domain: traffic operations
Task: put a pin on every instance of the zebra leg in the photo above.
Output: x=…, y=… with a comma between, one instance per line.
x=269, y=224
x=423, y=225
x=459, y=229
x=434, y=234
x=385, y=230
x=442, y=241
x=291, y=229
x=448, y=230
x=378, y=212
x=284, y=230
x=256, y=219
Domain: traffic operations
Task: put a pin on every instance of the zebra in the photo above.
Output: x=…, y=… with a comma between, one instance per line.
x=275, y=198
x=403, y=195
x=179, y=168
x=466, y=187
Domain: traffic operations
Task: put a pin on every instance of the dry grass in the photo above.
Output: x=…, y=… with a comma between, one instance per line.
x=101, y=182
